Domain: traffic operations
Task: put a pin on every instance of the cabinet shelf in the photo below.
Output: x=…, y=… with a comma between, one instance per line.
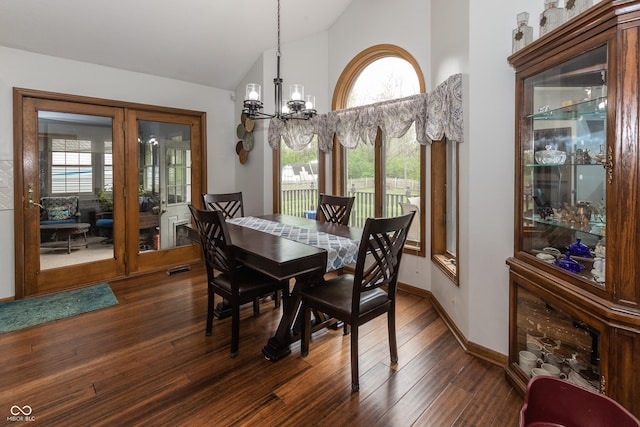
x=591, y=109
x=595, y=227
x=537, y=165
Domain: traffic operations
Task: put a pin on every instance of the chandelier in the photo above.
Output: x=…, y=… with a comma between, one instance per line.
x=299, y=106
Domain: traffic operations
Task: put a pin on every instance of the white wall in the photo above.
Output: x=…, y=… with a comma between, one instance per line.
x=449, y=55
x=39, y=72
x=490, y=129
x=480, y=305
x=250, y=176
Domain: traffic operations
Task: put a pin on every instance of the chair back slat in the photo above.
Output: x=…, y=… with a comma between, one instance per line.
x=215, y=240
x=379, y=255
x=334, y=209
x=230, y=204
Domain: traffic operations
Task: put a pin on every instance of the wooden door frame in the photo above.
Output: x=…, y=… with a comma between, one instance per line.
x=23, y=287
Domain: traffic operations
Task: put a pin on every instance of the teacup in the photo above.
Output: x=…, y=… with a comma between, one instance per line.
x=527, y=361
x=551, y=250
x=534, y=348
x=577, y=379
x=537, y=372
x=553, y=359
x=553, y=370
x=546, y=257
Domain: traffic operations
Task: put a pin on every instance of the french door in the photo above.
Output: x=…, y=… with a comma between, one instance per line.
x=161, y=161
x=101, y=191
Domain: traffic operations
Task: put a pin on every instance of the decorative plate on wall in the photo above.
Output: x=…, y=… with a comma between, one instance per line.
x=243, y=157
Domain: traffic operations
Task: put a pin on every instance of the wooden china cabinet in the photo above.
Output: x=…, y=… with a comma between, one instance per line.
x=575, y=272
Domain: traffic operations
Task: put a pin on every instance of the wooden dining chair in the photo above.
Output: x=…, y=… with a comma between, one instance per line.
x=334, y=209
x=367, y=293
x=234, y=282
x=231, y=206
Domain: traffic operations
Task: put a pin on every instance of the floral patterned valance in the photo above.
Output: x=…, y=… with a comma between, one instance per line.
x=436, y=115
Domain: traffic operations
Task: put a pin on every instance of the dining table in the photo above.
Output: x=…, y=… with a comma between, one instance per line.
x=287, y=247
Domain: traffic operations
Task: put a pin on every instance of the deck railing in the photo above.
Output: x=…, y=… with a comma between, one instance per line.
x=300, y=202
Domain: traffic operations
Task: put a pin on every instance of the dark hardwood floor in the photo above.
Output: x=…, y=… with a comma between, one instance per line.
x=148, y=362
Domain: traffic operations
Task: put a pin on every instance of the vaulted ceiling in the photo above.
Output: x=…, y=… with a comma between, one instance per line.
x=211, y=42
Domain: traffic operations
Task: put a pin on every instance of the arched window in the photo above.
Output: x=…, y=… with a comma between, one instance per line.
x=388, y=177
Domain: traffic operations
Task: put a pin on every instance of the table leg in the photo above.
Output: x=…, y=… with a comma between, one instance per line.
x=278, y=345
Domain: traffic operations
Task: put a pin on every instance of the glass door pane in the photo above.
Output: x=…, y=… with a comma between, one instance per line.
x=76, y=185
x=563, y=154
x=164, y=184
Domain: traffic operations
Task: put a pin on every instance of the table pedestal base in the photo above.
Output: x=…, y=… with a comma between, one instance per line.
x=222, y=310
x=289, y=327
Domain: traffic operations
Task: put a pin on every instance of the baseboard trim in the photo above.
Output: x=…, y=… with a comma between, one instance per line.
x=469, y=347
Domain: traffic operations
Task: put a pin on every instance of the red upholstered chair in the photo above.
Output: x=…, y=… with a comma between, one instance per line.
x=234, y=282
x=551, y=401
x=369, y=292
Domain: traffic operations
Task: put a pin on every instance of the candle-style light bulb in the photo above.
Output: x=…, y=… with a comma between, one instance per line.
x=310, y=102
x=252, y=92
x=296, y=92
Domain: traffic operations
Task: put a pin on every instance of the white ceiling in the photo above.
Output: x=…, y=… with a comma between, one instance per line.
x=211, y=42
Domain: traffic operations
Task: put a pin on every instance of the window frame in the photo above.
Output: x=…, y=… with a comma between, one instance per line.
x=440, y=255
x=343, y=87
x=53, y=184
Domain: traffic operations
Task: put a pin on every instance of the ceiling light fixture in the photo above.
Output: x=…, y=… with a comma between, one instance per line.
x=299, y=106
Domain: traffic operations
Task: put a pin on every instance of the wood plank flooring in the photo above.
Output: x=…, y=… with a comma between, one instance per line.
x=147, y=361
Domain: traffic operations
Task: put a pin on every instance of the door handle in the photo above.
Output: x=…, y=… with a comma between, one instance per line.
x=31, y=203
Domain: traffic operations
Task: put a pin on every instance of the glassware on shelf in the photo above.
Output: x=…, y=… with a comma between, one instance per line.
x=578, y=248
x=569, y=264
x=548, y=156
x=598, y=269
x=552, y=16
x=523, y=34
x=576, y=7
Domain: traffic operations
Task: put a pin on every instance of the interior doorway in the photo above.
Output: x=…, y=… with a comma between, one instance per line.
x=102, y=189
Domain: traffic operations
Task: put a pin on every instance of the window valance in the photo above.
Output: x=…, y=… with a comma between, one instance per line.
x=436, y=115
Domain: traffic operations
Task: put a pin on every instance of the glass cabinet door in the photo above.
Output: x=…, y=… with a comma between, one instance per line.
x=556, y=342
x=564, y=166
